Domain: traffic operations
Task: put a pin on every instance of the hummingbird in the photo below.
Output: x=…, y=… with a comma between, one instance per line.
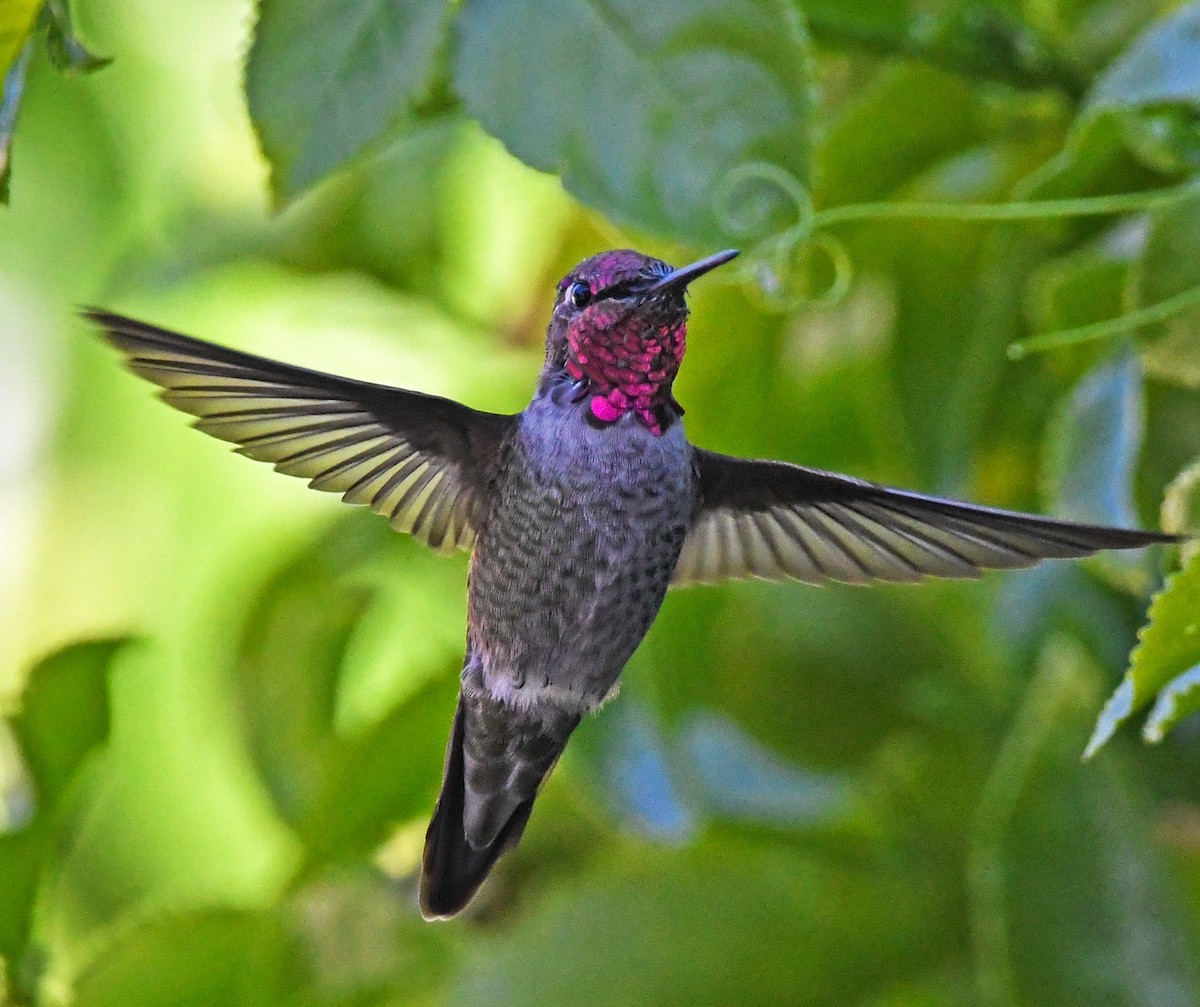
x=579, y=513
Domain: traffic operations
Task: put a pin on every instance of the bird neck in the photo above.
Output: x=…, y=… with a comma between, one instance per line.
x=627, y=369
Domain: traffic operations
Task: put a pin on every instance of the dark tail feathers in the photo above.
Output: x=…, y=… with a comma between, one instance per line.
x=451, y=869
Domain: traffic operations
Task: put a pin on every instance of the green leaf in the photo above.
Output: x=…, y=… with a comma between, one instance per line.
x=1095, y=442
x=343, y=794
x=325, y=78
x=715, y=926
x=64, y=715
x=288, y=670
x=67, y=53
x=64, y=718
x=1170, y=643
x=1085, y=286
x=383, y=215
x=1160, y=67
x=907, y=120
x=1169, y=266
x=959, y=296
x=1071, y=899
x=186, y=961
x=22, y=856
x=1168, y=647
x=345, y=938
x=1177, y=699
x=831, y=671
x=644, y=109
x=872, y=24
x=17, y=36
x=354, y=937
x=388, y=775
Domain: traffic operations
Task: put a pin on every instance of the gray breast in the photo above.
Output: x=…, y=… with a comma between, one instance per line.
x=575, y=554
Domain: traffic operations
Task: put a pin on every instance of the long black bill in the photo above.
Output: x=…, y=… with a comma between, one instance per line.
x=680, y=278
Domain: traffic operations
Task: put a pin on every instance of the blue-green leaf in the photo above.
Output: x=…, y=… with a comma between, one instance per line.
x=1095, y=443
x=1140, y=115
x=327, y=77
x=628, y=760
x=644, y=109
x=744, y=780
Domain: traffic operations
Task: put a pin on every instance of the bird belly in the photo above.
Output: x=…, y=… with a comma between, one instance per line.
x=574, y=559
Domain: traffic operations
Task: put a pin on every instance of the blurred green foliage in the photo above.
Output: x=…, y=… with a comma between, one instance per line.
x=229, y=698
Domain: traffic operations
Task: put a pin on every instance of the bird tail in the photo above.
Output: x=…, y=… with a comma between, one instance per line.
x=496, y=761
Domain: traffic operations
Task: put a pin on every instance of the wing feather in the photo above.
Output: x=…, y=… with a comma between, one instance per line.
x=423, y=462
x=775, y=520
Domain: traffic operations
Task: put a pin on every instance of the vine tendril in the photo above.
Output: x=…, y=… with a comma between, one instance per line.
x=778, y=271
x=1158, y=312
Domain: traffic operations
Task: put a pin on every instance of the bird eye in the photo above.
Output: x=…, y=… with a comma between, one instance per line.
x=578, y=295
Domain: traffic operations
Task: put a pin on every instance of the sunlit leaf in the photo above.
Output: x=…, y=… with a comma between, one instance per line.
x=1181, y=508
x=1168, y=647
x=17, y=39
x=16, y=20
x=327, y=77
x=645, y=109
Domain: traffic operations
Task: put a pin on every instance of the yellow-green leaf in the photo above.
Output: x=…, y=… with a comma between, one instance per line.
x=1168, y=647
x=16, y=20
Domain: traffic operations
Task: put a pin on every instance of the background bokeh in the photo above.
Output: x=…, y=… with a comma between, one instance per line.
x=875, y=797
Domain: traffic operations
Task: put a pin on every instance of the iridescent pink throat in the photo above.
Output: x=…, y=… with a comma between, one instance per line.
x=628, y=370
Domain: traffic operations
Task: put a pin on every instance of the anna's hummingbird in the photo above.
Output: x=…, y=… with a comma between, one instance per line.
x=579, y=513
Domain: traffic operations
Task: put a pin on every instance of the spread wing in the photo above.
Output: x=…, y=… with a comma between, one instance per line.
x=775, y=520
x=420, y=460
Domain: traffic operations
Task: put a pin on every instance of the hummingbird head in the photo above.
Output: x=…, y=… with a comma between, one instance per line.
x=619, y=330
